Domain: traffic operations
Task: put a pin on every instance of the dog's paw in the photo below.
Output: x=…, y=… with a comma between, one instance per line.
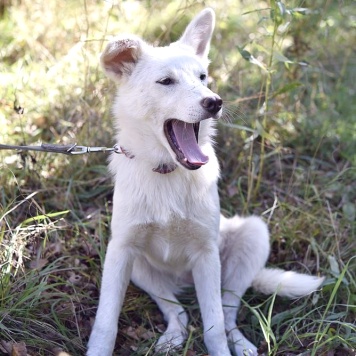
x=240, y=345
x=243, y=351
x=170, y=341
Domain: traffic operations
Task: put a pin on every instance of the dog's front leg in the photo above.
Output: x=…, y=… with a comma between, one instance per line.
x=116, y=276
x=207, y=280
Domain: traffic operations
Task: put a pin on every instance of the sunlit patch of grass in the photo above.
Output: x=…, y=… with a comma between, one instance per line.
x=48, y=277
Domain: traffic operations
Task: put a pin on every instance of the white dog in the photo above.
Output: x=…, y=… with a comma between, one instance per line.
x=167, y=231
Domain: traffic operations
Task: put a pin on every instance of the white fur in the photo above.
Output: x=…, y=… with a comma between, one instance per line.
x=167, y=231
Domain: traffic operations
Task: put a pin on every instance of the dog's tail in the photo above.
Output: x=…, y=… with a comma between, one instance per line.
x=286, y=284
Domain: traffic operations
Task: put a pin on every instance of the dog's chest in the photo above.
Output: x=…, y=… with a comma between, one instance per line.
x=175, y=246
x=171, y=218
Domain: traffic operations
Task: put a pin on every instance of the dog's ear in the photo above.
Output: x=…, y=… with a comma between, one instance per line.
x=199, y=31
x=120, y=56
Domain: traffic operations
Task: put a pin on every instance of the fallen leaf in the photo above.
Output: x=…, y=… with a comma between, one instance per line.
x=147, y=334
x=132, y=332
x=19, y=349
x=191, y=353
x=59, y=352
x=38, y=263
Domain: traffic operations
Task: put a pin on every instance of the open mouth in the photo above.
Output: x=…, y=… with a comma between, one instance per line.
x=183, y=139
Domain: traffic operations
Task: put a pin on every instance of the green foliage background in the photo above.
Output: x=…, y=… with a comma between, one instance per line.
x=286, y=72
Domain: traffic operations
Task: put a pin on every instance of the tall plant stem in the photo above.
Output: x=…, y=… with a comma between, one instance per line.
x=266, y=103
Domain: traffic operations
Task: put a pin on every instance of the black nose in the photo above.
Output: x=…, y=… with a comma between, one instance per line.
x=212, y=104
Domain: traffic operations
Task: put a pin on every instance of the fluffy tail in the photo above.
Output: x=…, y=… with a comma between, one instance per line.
x=286, y=284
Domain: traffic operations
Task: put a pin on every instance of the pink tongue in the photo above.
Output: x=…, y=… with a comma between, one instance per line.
x=188, y=144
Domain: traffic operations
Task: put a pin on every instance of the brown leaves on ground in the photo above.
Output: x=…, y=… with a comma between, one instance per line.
x=139, y=333
x=13, y=349
x=19, y=349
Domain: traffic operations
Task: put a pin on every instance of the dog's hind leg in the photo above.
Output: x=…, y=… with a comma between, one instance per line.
x=161, y=288
x=244, y=251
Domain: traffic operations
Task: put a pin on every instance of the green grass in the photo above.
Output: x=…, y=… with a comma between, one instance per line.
x=287, y=152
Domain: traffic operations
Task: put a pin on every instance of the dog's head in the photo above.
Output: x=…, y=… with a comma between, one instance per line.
x=166, y=88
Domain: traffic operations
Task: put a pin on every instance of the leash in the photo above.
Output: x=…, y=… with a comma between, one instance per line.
x=73, y=149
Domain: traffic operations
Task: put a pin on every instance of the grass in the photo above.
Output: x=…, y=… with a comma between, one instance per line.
x=287, y=152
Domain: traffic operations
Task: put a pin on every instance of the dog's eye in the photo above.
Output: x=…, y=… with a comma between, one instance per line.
x=165, y=81
x=202, y=77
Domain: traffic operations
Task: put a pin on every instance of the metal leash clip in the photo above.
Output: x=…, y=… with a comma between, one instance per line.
x=78, y=150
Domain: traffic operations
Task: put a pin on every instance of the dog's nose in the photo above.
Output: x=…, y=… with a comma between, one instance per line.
x=212, y=104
